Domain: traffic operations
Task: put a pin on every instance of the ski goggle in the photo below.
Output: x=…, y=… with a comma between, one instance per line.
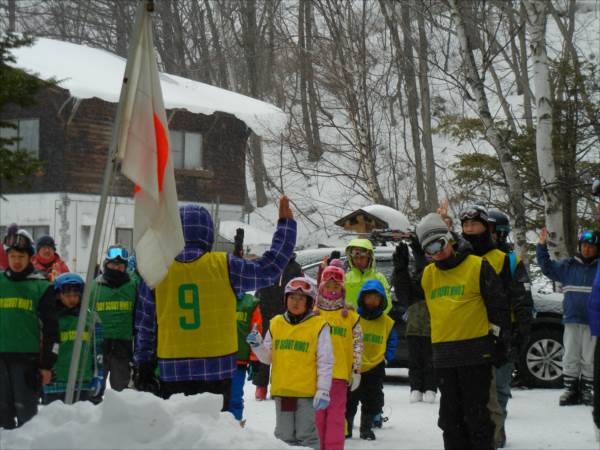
x=359, y=253
x=17, y=241
x=588, y=237
x=475, y=212
x=335, y=275
x=301, y=285
x=117, y=253
x=435, y=247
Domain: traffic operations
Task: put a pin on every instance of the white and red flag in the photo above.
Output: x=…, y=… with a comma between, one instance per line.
x=144, y=152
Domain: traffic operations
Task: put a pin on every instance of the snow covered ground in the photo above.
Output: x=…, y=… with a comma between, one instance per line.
x=138, y=420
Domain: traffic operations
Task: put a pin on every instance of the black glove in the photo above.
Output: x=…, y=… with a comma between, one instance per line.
x=145, y=379
x=500, y=348
x=335, y=255
x=401, y=257
x=418, y=253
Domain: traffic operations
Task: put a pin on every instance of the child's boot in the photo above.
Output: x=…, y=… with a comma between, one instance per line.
x=587, y=392
x=366, y=427
x=570, y=395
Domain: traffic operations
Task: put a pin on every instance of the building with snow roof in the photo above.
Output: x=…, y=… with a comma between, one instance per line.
x=70, y=130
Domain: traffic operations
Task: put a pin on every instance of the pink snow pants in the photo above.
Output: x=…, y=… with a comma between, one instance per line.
x=330, y=421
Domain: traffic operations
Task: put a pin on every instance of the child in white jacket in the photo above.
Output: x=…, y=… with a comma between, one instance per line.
x=298, y=348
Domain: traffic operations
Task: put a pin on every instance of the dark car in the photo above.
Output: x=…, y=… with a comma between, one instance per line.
x=539, y=366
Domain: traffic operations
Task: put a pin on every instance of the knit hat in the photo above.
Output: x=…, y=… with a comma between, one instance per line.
x=431, y=228
x=337, y=263
x=45, y=241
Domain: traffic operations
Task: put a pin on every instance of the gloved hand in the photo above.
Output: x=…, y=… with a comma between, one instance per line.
x=418, y=253
x=500, y=348
x=96, y=385
x=254, y=338
x=520, y=340
x=355, y=382
x=401, y=257
x=145, y=379
x=321, y=399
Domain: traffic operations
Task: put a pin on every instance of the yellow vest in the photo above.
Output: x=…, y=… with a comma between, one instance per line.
x=341, y=340
x=195, y=310
x=454, y=301
x=375, y=336
x=294, y=364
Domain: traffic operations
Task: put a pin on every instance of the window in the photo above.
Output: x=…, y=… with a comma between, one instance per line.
x=36, y=231
x=28, y=131
x=124, y=237
x=186, y=149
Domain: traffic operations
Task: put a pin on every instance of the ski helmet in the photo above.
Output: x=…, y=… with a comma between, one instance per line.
x=19, y=240
x=117, y=253
x=500, y=224
x=590, y=237
x=67, y=281
x=474, y=212
x=304, y=286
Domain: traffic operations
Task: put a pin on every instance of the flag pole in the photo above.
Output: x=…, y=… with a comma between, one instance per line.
x=109, y=174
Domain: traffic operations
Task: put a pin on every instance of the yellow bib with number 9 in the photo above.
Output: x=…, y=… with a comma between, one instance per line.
x=195, y=310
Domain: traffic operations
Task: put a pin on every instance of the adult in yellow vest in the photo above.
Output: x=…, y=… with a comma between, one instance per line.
x=361, y=259
x=187, y=325
x=298, y=348
x=379, y=345
x=470, y=322
x=28, y=332
x=477, y=227
x=347, y=342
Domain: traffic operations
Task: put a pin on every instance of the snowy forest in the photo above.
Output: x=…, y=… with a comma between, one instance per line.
x=396, y=103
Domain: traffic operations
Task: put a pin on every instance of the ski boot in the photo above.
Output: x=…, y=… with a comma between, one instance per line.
x=570, y=395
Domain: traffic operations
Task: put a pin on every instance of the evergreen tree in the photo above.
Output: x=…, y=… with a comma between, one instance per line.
x=17, y=88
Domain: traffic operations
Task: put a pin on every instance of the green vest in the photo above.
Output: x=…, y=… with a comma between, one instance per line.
x=68, y=331
x=19, y=319
x=115, y=308
x=244, y=310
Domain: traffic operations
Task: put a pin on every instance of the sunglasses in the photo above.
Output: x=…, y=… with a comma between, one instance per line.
x=360, y=254
x=435, y=247
x=333, y=275
x=17, y=241
x=117, y=253
x=301, y=285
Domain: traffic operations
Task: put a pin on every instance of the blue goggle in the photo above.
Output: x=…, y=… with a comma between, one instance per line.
x=117, y=253
x=588, y=237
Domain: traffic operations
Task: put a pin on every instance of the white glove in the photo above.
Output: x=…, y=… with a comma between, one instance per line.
x=321, y=399
x=254, y=338
x=355, y=382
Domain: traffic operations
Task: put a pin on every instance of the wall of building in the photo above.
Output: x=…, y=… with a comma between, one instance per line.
x=71, y=220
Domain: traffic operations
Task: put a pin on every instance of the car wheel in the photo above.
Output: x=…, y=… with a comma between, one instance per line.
x=541, y=363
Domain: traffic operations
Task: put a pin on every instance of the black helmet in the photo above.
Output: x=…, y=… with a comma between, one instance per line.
x=474, y=212
x=500, y=224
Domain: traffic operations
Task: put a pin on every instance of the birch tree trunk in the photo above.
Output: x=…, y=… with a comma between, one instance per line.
x=553, y=207
x=492, y=135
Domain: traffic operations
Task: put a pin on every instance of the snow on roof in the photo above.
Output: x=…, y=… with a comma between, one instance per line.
x=88, y=72
x=394, y=218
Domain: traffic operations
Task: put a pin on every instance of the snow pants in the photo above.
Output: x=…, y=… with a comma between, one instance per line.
x=503, y=382
x=596, y=409
x=496, y=411
x=236, y=401
x=331, y=420
x=20, y=389
x=297, y=427
x=464, y=416
x=420, y=367
x=117, y=356
x=193, y=387
x=369, y=394
x=578, y=359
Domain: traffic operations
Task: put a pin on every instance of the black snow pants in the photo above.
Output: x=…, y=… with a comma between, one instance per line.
x=192, y=387
x=464, y=416
x=369, y=394
x=117, y=354
x=420, y=367
x=20, y=389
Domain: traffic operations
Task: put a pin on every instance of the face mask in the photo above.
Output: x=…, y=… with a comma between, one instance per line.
x=481, y=243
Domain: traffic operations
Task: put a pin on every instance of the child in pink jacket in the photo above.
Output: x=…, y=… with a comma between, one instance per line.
x=347, y=343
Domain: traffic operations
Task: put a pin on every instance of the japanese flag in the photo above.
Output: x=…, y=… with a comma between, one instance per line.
x=143, y=149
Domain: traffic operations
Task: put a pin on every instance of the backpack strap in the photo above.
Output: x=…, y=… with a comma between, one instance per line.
x=512, y=258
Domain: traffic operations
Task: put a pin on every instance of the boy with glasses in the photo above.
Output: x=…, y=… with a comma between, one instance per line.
x=113, y=295
x=298, y=348
x=470, y=322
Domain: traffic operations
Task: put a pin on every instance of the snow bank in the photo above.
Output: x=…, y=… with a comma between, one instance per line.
x=132, y=420
x=88, y=72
